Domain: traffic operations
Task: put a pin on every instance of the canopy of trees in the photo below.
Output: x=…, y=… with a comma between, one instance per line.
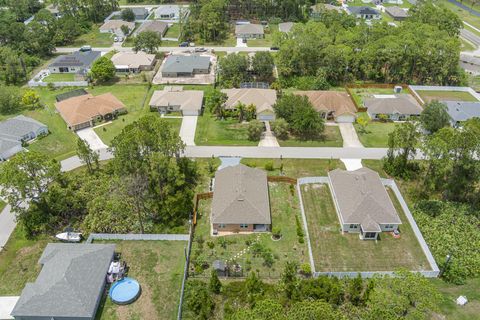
x=208, y=21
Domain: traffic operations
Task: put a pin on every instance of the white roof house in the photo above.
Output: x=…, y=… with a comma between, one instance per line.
x=133, y=61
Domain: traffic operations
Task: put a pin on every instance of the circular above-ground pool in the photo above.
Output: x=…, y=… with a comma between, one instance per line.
x=124, y=291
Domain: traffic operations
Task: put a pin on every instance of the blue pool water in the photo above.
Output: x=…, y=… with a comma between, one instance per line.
x=125, y=291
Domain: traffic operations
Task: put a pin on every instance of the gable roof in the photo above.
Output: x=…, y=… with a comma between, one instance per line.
x=362, y=10
x=168, y=10
x=83, y=108
x=391, y=104
x=285, y=26
x=241, y=196
x=462, y=110
x=138, y=11
x=153, y=25
x=7, y=144
x=117, y=24
x=396, y=12
x=339, y=102
x=262, y=99
x=70, y=94
x=185, y=64
x=319, y=7
x=176, y=96
x=361, y=198
x=17, y=127
x=132, y=60
x=69, y=284
x=250, y=28
x=76, y=59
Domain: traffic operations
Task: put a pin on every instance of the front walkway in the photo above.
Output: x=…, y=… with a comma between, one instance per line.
x=187, y=130
x=240, y=43
x=91, y=137
x=268, y=139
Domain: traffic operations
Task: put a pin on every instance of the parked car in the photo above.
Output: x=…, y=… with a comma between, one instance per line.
x=85, y=48
x=183, y=44
x=200, y=50
x=274, y=48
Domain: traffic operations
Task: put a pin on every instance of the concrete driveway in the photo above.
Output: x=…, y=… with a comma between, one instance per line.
x=92, y=138
x=268, y=139
x=7, y=224
x=187, y=130
x=241, y=44
x=349, y=136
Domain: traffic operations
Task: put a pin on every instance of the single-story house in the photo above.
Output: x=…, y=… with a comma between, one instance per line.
x=185, y=65
x=159, y=27
x=285, y=27
x=139, y=12
x=115, y=26
x=366, y=13
x=75, y=62
x=53, y=9
x=332, y=104
x=362, y=203
x=133, y=62
x=70, y=94
x=249, y=31
x=317, y=9
x=398, y=107
x=171, y=12
x=83, y=111
x=262, y=99
x=174, y=99
x=461, y=111
x=9, y=148
x=241, y=201
x=22, y=128
x=70, y=285
x=397, y=13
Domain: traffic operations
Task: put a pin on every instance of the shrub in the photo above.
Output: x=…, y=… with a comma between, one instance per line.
x=280, y=128
x=211, y=244
x=215, y=285
x=276, y=232
x=269, y=166
x=255, y=130
x=300, y=233
x=306, y=269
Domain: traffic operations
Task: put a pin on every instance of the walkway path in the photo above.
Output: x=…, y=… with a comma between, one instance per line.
x=187, y=130
x=268, y=139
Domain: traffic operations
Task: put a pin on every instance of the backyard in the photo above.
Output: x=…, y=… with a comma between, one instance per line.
x=257, y=251
x=334, y=251
x=173, y=31
x=429, y=95
x=358, y=94
x=158, y=267
x=59, y=77
x=375, y=134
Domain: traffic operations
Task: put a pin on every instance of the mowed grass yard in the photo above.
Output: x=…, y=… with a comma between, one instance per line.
x=158, y=267
x=429, y=95
x=331, y=138
x=58, y=77
x=284, y=207
x=334, y=251
x=295, y=168
x=451, y=292
x=376, y=133
x=214, y=132
x=93, y=38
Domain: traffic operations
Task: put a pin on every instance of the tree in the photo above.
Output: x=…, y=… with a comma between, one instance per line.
x=434, y=116
x=216, y=102
x=402, y=148
x=233, y=70
x=25, y=178
x=31, y=99
x=215, y=285
x=128, y=15
x=253, y=287
x=290, y=279
x=147, y=41
x=10, y=100
x=255, y=130
x=280, y=128
x=262, y=66
x=286, y=105
x=306, y=121
x=87, y=155
x=102, y=70
x=363, y=122
x=313, y=310
x=125, y=30
x=198, y=301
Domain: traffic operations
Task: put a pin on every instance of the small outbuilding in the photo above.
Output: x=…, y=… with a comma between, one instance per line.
x=220, y=268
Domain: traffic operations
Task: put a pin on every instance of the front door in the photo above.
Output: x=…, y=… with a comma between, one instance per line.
x=63, y=69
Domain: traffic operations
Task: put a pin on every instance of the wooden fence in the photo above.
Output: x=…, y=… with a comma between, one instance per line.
x=282, y=179
x=198, y=197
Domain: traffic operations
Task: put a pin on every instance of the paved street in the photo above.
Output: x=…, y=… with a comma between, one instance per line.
x=470, y=36
x=170, y=49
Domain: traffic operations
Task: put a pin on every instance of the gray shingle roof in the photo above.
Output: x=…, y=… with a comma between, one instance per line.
x=69, y=284
x=153, y=25
x=362, y=199
x=185, y=64
x=76, y=59
x=250, y=28
x=285, y=26
x=362, y=10
x=396, y=12
x=400, y=103
x=16, y=128
x=176, y=96
x=7, y=144
x=241, y=196
x=462, y=110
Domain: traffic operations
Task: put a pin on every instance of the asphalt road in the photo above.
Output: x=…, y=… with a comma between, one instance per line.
x=169, y=49
x=470, y=36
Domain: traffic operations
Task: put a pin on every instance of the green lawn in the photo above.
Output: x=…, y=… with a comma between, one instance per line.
x=173, y=31
x=266, y=42
x=451, y=292
x=331, y=138
x=58, y=77
x=467, y=45
x=376, y=135
x=158, y=267
x=19, y=262
x=474, y=82
x=229, y=132
x=463, y=14
x=284, y=207
x=334, y=251
x=2, y=205
x=358, y=94
x=93, y=38
x=429, y=95
x=296, y=168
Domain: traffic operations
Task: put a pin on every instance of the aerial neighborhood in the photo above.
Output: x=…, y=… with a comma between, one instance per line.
x=239, y=159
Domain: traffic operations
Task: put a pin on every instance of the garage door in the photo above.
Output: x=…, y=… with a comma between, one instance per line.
x=266, y=117
x=346, y=118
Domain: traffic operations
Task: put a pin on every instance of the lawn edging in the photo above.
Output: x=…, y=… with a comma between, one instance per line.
x=368, y=274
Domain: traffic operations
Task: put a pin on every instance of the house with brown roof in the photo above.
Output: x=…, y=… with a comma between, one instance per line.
x=175, y=99
x=397, y=107
x=332, y=105
x=115, y=26
x=133, y=62
x=262, y=99
x=362, y=203
x=249, y=31
x=241, y=201
x=85, y=110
